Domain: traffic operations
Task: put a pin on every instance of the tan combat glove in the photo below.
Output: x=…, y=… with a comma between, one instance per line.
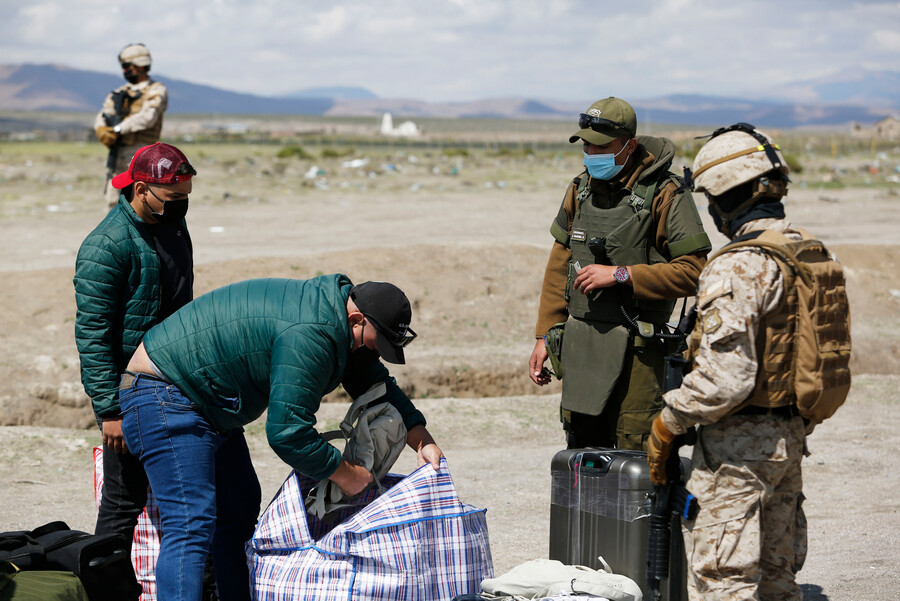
x=107, y=136
x=659, y=450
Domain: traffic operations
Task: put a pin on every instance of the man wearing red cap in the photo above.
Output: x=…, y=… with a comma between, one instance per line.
x=133, y=270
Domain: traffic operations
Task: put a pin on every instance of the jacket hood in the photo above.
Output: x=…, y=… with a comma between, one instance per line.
x=663, y=151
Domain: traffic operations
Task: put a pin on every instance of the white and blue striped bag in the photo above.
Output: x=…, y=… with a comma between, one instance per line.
x=415, y=542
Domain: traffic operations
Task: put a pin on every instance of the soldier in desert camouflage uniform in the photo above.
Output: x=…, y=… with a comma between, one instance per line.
x=749, y=538
x=132, y=115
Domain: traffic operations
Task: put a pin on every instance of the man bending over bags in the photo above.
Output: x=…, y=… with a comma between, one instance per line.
x=219, y=363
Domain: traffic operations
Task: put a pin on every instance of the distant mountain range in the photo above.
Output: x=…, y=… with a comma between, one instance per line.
x=857, y=96
x=334, y=92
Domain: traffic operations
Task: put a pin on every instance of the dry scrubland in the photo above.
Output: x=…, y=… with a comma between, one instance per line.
x=461, y=225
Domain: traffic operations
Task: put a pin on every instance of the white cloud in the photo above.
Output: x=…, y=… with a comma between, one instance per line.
x=325, y=25
x=463, y=49
x=887, y=40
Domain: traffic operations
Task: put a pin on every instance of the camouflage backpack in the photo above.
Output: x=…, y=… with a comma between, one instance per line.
x=805, y=360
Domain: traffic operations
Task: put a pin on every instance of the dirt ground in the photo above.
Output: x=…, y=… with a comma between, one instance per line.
x=471, y=260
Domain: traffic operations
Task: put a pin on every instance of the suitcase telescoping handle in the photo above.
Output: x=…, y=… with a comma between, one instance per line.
x=594, y=461
x=598, y=461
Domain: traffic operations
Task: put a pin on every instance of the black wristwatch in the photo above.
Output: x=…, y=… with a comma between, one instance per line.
x=621, y=275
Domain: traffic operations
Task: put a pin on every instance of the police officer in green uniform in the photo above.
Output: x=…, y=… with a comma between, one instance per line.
x=628, y=242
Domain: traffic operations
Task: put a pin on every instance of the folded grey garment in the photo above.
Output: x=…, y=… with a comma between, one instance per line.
x=375, y=436
x=548, y=578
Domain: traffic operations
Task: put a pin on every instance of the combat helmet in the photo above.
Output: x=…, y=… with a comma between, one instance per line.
x=136, y=54
x=737, y=168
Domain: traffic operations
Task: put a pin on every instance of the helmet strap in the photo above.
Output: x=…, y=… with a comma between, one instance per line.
x=770, y=186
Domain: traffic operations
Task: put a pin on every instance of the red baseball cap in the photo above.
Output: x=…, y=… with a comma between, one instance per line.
x=155, y=164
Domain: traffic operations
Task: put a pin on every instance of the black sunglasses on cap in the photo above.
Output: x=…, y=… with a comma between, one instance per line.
x=127, y=65
x=396, y=339
x=599, y=124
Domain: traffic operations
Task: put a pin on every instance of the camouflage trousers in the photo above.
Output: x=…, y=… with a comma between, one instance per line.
x=749, y=538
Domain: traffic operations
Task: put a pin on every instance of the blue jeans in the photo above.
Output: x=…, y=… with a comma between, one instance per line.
x=205, y=485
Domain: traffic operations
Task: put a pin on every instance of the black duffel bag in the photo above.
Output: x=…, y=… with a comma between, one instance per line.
x=21, y=549
x=100, y=561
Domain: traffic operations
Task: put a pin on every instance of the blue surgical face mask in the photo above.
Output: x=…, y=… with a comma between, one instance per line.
x=603, y=166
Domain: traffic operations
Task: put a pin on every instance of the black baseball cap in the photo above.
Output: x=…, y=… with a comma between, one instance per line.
x=387, y=309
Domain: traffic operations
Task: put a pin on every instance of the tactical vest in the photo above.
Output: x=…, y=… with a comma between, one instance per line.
x=803, y=347
x=133, y=105
x=621, y=234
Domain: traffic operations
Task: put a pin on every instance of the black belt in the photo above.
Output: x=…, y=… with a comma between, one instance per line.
x=783, y=411
x=129, y=377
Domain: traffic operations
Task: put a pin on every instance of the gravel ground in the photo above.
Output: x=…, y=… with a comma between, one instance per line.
x=499, y=452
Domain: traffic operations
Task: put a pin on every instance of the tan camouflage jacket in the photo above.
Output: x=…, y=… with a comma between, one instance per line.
x=734, y=291
x=153, y=103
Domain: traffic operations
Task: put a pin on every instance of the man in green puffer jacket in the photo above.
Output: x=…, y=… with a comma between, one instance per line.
x=220, y=362
x=133, y=270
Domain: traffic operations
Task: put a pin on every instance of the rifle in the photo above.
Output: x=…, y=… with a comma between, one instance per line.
x=121, y=103
x=672, y=502
x=669, y=504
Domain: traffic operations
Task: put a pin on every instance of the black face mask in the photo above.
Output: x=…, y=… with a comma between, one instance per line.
x=173, y=211
x=747, y=202
x=131, y=76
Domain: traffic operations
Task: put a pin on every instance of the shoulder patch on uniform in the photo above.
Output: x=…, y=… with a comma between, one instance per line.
x=714, y=291
x=711, y=321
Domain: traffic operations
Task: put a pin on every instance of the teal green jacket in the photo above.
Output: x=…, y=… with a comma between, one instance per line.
x=117, y=295
x=271, y=344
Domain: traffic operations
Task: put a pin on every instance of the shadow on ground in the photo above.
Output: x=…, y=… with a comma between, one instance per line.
x=813, y=592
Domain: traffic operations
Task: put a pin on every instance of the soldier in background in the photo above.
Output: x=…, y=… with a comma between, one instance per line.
x=132, y=115
x=745, y=392
x=628, y=241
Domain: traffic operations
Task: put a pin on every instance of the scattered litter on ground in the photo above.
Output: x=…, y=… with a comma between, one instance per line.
x=355, y=163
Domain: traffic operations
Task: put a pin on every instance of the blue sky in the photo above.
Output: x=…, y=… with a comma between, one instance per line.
x=447, y=50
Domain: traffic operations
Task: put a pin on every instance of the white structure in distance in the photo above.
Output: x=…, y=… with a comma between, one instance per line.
x=405, y=130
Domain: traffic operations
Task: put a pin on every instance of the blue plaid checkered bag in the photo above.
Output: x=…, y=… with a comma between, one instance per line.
x=415, y=542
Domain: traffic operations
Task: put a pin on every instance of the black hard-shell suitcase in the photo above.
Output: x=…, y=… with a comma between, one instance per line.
x=599, y=507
